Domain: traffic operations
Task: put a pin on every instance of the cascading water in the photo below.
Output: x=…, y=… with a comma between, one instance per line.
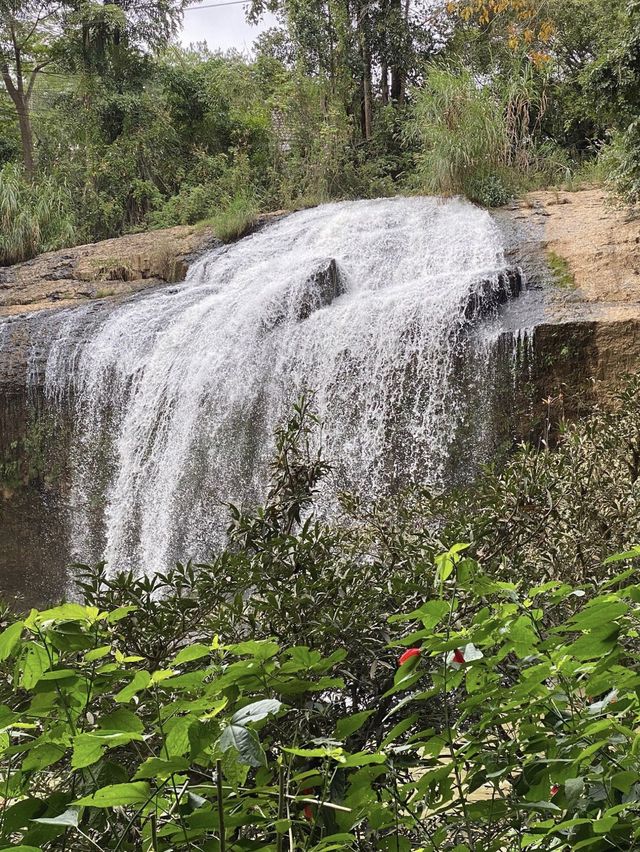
x=177, y=393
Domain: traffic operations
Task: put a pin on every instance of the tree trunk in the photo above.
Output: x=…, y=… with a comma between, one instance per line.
x=397, y=71
x=367, y=104
x=21, y=102
x=26, y=138
x=384, y=82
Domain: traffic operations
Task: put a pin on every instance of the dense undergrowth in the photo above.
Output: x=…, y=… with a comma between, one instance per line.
x=259, y=702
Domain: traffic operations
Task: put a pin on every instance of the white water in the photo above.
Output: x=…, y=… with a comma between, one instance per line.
x=180, y=390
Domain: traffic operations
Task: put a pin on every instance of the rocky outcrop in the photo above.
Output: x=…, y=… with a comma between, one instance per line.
x=581, y=317
x=108, y=269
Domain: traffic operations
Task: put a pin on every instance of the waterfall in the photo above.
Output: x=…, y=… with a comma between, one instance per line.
x=176, y=392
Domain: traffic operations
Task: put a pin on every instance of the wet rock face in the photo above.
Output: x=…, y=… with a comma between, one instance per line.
x=321, y=289
x=34, y=533
x=490, y=295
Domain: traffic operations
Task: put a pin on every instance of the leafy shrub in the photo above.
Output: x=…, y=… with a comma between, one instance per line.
x=491, y=190
x=33, y=217
x=258, y=702
x=620, y=161
x=502, y=729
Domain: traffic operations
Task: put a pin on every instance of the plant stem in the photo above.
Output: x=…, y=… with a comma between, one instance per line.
x=221, y=830
x=281, y=806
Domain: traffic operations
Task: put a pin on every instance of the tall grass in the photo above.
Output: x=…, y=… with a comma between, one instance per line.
x=477, y=138
x=34, y=217
x=461, y=130
x=235, y=218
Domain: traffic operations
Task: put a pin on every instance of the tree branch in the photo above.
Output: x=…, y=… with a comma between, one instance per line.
x=6, y=77
x=34, y=74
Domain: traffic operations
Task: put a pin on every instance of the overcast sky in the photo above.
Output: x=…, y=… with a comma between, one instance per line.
x=222, y=28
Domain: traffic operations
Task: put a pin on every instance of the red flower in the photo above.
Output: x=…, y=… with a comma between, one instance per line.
x=410, y=652
x=307, y=810
x=458, y=656
x=553, y=790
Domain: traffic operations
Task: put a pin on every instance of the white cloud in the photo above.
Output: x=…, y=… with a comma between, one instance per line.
x=222, y=28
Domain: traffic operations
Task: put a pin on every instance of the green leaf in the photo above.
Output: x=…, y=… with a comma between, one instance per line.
x=598, y=613
x=42, y=756
x=67, y=612
x=120, y=613
x=350, y=724
x=246, y=743
x=97, y=653
x=597, y=643
x=573, y=789
x=190, y=653
x=7, y=716
x=9, y=638
x=256, y=711
x=187, y=682
x=35, y=664
x=156, y=767
x=177, y=740
x=87, y=750
x=624, y=781
x=69, y=818
x=122, y=720
x=621, y=557
x=362, y=759
x=431, y=613
x=234, y=770
x=140, y=681
x=24, y=848
x=117, y=795
x=336, y=753
x=604, y=825
x=523, y=636
x=261, y=650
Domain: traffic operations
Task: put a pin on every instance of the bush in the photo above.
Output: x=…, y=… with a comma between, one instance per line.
x=620, y=161
x=33, y=217
x=501, y=729
x=258, y=702
x=490, y=190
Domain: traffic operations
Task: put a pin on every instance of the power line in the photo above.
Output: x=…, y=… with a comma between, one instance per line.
x=216, y=5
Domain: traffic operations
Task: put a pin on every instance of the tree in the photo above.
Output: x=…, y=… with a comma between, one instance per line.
x=26, y=30
x=35, y=33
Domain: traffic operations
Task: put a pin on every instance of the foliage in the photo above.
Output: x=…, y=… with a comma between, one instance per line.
x=463, y=136
x=621, y=163
x=249, y=704
x=29, y=459
x=512, y=725
x=32, y=219
x=235, y=219
x=479, y=97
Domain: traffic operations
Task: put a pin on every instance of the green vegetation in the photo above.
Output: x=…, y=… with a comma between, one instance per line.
x=32, y=218
x=30, y=459
x=235, y=219
x=107, y=127
x=561, y=271
x=180, y=712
